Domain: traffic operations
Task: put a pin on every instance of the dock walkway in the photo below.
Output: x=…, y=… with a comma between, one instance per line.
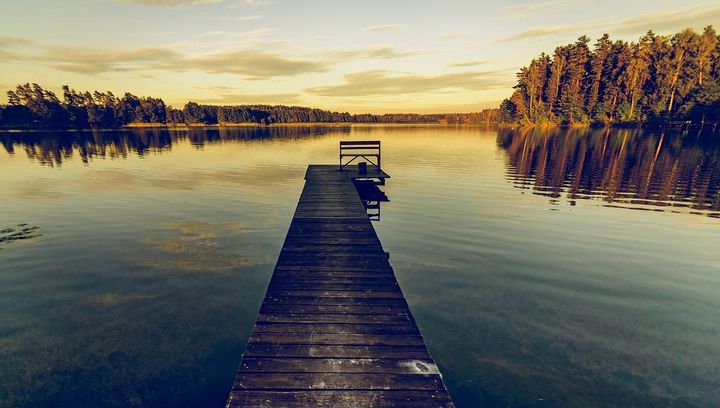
x=334, y=329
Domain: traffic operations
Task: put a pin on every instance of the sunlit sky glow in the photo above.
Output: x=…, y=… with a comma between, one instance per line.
x=356, y=56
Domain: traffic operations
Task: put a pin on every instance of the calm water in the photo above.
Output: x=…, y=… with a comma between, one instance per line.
x=564, y=268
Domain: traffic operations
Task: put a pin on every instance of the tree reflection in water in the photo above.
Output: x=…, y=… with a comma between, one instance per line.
x=629, y=168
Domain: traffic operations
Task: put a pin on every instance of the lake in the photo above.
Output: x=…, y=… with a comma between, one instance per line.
x=544, y=268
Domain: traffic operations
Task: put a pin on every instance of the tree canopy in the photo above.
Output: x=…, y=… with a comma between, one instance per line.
x=656, y=79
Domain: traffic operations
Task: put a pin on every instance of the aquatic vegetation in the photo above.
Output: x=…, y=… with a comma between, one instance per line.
x=21, y=232
x=195, y=247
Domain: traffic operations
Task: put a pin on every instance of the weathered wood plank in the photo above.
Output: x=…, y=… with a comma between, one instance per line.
x=336, y=381
x=337, y=365
x=383, y=319
x=340, y=262
x=343, y=251
x=313, y=273
x=322, y=279
x=347, y=301
x=333, y=290
x=338, y=339
x=330, y=239
x=336, y=351
x=330, y=286
x=325, y=268
x=334, y=293
x=278, y=309
x=406, y=328
x=332, y=247
x=341, y=399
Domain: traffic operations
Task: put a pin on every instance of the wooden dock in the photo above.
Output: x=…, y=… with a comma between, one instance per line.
x=334, y=329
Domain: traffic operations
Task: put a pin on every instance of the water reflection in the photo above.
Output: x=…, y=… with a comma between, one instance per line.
x=52, y=148
x=664, y=171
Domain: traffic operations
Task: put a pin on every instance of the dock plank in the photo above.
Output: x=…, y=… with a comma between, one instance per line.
x=337, y=365
x=343, y=399
x=335, y=351
x=336, y=381
x=334, y=329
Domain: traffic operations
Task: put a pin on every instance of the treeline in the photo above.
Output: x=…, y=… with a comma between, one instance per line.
x=31, y=106
x=487, y=116
x=657, y=79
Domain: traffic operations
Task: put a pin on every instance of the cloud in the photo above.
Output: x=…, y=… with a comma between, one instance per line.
x=250, y=3
x=544, y=31
x=386, y=52
x=7, y=46
x=216, y=88
x=12, y=41
x=467, y=63
x=249, y=63
x=385, y=27
x=172, y=3
x=235, y=35
x=253, y=64
x=375, y=52
x=6, y=55
x=669, y=21
x=380, y=82
x=249, y=99
x=661, y=21
x=453, y=36
x=152, y=35
x=96, y=61
x=524, y=10
x=243, y=18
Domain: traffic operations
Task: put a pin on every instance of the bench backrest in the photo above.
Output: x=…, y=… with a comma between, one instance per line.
x=367, y=149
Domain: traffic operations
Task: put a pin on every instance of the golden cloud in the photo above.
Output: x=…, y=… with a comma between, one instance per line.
x=385, y=27
x=379, y=82
x=172, y=3
x=249, y=63
x=662, y=21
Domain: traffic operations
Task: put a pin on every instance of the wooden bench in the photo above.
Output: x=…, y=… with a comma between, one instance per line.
x=367, y=149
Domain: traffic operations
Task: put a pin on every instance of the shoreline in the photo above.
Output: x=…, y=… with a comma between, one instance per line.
x=298, y=124
x=238, y=125
x=180, y=126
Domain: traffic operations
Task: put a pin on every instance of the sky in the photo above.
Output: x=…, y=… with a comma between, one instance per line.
x=355, y=56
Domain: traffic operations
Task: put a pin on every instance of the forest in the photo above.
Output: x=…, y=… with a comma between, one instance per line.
x=32, y=107
x=656, y=80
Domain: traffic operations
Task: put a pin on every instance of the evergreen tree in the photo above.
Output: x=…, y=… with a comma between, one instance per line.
x=656, y=78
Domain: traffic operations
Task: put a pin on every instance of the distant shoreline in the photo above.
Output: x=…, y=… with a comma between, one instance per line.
x=237, y=125
x=300, y=124
x=711, y=126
